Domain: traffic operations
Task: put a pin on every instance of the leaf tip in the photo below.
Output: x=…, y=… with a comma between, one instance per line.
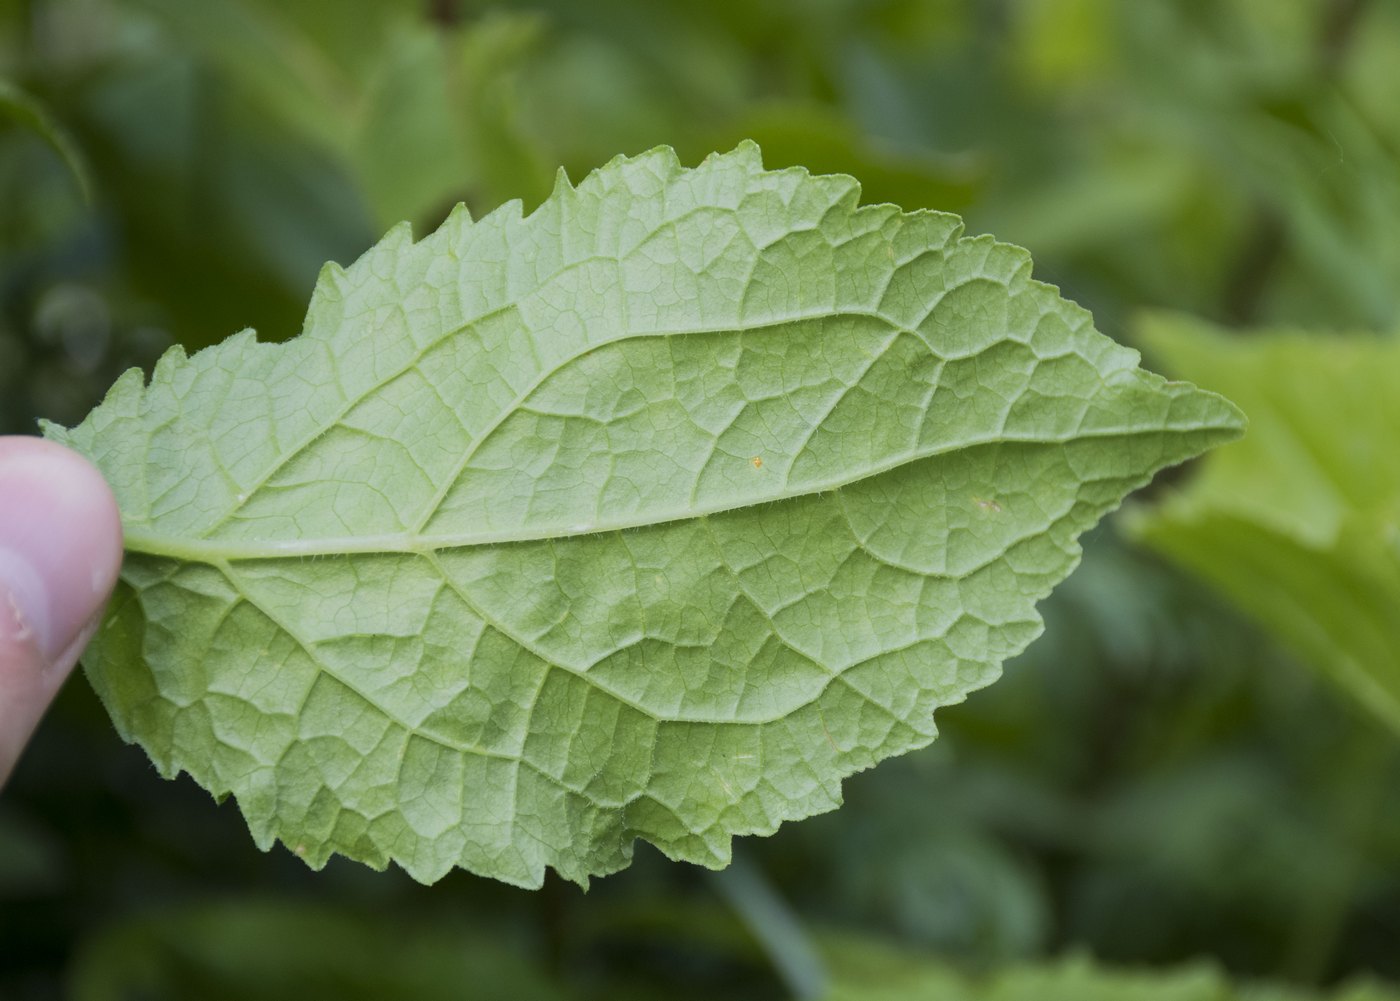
x=1227, y=421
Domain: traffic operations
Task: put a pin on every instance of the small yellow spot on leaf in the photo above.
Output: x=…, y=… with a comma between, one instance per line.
x=987, y=505
x=757, y=461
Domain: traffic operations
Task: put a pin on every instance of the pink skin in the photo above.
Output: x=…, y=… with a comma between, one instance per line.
x=60, y=550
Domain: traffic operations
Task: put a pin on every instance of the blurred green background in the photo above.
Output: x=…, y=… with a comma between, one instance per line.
x=1154, y=782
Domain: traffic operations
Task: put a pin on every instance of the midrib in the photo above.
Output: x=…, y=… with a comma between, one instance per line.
x=199, y=550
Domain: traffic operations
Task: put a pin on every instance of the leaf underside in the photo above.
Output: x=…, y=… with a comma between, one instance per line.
x=653, y=514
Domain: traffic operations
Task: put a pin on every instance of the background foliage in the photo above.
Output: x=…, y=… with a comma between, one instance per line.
x=1156, y=780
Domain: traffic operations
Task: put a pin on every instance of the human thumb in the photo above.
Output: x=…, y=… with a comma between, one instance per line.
x=60, y=550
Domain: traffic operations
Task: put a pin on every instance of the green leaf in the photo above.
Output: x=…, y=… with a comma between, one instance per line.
x=652, y=514
x=870, y=971
x=1299, y=524
x=25, y=109
x=283, y=950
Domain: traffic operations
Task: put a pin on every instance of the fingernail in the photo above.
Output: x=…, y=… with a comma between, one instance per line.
x=24, y=607
x=60, y=544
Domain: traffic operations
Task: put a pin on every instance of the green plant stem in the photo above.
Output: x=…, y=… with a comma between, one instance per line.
x=774, y=927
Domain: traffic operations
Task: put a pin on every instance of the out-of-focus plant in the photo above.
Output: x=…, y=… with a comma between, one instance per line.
x=1299, y=524
x=1198, y=792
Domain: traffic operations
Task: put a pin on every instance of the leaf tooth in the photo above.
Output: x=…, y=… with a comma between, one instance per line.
x=175, y=359
x=668, y=159
x=746, y=154
x=1018, y=276
x=54, y=431
x=398, y=238
x=458, y=221
x=660, y=160
x=124, y=396
x=849, y=199
x=929, y=229
x=561, y=199
x=333, y=282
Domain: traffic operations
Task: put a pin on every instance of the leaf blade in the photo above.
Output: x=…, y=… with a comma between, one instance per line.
x=652, y=514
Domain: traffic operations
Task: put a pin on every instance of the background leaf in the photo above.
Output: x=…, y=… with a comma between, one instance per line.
x=29, y=113
x=1299, y=523
x=875, y=975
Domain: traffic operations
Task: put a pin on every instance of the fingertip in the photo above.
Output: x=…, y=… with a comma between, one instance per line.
x=60, y=539
x=60, y=553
